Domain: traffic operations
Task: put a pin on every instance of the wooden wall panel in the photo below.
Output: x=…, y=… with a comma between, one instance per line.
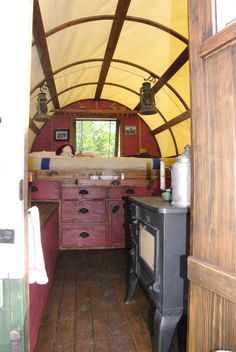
x=216, y=225
x=212, y=320
x=130, y=144
x=200, y=127
x=221, y=139
x=212, y=311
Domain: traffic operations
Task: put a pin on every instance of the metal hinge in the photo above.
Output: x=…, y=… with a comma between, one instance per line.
x=15, y=340
x=21, y=190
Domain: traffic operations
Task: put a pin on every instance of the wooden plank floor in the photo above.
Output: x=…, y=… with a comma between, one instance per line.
x=86, y=310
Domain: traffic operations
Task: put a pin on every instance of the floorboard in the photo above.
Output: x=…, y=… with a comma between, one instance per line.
x=86, y=310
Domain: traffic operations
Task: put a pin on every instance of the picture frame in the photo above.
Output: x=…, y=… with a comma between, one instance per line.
x=130, y=130
x=61, y=135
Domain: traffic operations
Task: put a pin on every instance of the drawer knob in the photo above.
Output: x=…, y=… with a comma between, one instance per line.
x=129, y=191
x=83, y=192
x=34, y=189
x=83, y=210
x=115, y=209
x=115, y=183
x=84, y=234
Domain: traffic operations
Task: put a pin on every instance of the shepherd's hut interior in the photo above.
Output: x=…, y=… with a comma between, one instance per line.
x=117, y=170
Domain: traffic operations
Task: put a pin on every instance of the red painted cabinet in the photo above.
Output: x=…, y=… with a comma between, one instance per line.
x=83, y=235
x=45, y=190
x=83, y=217
x=118, y=210
x=92, y=213
x=92, y=210
x=83, y=192
x=126, y=191
x=119, y=234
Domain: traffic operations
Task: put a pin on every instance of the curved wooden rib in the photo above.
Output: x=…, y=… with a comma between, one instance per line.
x=149, y=72
x=111, y=18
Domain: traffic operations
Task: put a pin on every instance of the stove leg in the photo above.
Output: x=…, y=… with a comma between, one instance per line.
x=164, y=328
x=132, y=283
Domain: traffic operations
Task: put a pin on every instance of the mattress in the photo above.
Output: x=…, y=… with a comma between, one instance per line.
x=50, y=161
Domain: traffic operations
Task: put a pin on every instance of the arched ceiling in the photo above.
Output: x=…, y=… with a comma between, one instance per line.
x=106, y=49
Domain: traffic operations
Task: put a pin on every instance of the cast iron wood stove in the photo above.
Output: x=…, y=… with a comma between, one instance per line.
x=159, y=260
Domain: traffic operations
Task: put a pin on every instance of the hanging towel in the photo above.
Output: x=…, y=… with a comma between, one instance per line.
x=37, y=272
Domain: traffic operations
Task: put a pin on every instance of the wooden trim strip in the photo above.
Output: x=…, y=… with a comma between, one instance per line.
x=151, y=73
x=96, y=112
x=217, y=41
x=117, y=137
x=121, y=11
x=171, y=132
x=180, y=118
x=171, y=71
x=33, y=127
x=94, y=83
x=111, y=18
x=212, y=278
x=42, y=48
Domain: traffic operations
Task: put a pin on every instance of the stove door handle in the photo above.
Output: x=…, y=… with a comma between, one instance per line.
x=156, y=286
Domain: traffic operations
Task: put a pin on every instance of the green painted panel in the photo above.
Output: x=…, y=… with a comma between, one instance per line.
x=4, y=330
x=13, y=313
x=5, y=318
x=17, y=304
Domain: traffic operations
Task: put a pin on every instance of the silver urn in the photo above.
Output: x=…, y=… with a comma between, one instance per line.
x=181, y=179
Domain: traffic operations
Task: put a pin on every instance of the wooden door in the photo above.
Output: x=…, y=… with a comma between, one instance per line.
x=212, y=264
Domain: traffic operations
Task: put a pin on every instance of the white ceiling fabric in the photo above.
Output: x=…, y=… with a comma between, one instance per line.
x=81, y=37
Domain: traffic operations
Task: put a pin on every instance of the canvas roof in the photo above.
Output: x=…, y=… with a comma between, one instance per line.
x=106, y=49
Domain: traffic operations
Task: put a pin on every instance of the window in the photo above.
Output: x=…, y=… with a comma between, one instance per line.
x=97, y=136
x=223, y=14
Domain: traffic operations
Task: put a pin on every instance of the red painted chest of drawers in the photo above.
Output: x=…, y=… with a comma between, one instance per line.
x=93, y=214
x=83, y=217
x=45, y=190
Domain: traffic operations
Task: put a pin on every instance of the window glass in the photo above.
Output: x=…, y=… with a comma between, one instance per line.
x=224, y=14
x=96, y=136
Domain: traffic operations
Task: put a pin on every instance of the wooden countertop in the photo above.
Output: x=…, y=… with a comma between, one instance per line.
x=45, y=210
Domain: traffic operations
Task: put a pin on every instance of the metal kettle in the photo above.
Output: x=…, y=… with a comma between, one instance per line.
x=181, y=179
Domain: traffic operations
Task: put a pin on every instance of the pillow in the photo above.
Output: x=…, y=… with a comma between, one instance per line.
x=65, y=150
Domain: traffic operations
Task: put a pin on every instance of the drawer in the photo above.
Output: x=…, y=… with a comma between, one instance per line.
x=119, y=192
x=45, y=190
x=83, y=210
x=82, y=192
x=83, y=235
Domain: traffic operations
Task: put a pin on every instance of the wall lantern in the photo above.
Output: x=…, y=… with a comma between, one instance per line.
x=147, y=100
x=42, y=109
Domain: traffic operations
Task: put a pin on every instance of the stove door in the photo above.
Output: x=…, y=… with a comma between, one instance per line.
x=147, y=247
x=150, y=262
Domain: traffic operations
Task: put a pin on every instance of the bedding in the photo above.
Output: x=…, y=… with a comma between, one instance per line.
x=51, y=161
